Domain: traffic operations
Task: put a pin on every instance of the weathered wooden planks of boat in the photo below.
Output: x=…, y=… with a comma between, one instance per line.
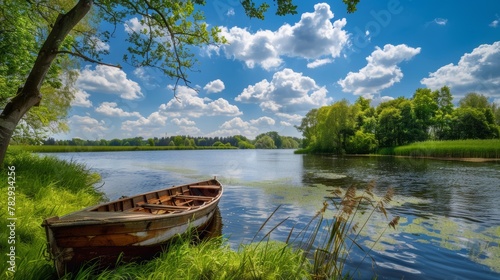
x=130, y=227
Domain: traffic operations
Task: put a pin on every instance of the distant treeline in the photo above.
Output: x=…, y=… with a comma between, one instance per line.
x=269, y=140
x=360, y=128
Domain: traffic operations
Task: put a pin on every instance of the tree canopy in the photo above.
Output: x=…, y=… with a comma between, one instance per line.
x=428, y=115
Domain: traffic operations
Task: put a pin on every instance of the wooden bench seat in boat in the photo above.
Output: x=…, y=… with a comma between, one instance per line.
x=194, y=197
x=210, y=187
x=164, y=207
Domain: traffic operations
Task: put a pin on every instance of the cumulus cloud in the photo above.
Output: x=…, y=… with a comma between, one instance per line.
x=313, y=37
x=111, y=109
x=87, y=127
x=287, y=92
x=110, y=80
x=98, y=44
x=188, y=130
x=81, y=99
x=290, y=118
x=214, y=86
x=183, y=121
x=134, y=25
x=154, y=120
x=319, y=62
x=188, y=103
x=263, y=121
x=236, y=126
x=381, y=71
x=186, y=127
x=477, y=71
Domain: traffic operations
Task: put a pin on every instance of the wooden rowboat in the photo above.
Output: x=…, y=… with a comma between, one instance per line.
x=130, y=227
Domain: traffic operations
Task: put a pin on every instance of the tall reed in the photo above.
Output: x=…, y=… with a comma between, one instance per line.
x=328, y=241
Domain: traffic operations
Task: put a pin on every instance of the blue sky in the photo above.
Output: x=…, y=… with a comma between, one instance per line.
x=274, y=71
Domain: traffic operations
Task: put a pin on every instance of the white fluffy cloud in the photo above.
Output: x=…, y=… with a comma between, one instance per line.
x=87, y=127
x=183, y=121
x=112, y=109
x=154, y=120
x=186, y=127
x=288, y=92
x=214, y=86
x=236, y=126
x=313, y=37
x=263, y=121
x=478, y=71
x=110, y=80
x=381, y=71
x=188, y=103
x=81, y=99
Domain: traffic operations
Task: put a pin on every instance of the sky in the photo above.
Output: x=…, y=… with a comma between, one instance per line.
x=274, y=71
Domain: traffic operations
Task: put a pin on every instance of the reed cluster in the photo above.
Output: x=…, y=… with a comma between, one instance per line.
x=449, y=149
x=332, y=235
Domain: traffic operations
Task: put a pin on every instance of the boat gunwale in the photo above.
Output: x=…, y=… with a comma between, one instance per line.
x=128, y=216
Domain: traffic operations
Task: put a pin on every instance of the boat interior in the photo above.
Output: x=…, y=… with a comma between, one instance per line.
x=172, y=200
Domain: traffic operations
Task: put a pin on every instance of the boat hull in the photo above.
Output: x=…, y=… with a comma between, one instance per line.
x=131, y=232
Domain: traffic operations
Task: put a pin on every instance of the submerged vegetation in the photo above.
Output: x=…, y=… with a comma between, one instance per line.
x=47, y=186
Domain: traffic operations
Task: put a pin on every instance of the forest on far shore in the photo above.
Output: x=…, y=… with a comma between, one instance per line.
x=359, y=128
x=269, y=140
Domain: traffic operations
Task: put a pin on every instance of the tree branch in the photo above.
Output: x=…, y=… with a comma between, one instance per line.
x=180, y=72
x=86, y=58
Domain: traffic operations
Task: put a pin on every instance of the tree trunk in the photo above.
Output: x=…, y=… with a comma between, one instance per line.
x=29, y=95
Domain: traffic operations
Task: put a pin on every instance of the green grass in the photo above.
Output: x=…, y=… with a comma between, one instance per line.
x=212, y=259
x=43, y=187
x=448, y=149
x=68, y=149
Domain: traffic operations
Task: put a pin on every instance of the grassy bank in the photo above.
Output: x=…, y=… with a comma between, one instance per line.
x=448, y=149
x=41, y=187
x=68, y=149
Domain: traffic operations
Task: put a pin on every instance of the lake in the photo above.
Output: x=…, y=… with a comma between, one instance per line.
x=450, y=210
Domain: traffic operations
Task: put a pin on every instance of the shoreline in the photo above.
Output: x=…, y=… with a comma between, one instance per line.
x=431, y=157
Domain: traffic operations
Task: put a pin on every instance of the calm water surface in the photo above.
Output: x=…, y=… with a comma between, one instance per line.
x=450, y=211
